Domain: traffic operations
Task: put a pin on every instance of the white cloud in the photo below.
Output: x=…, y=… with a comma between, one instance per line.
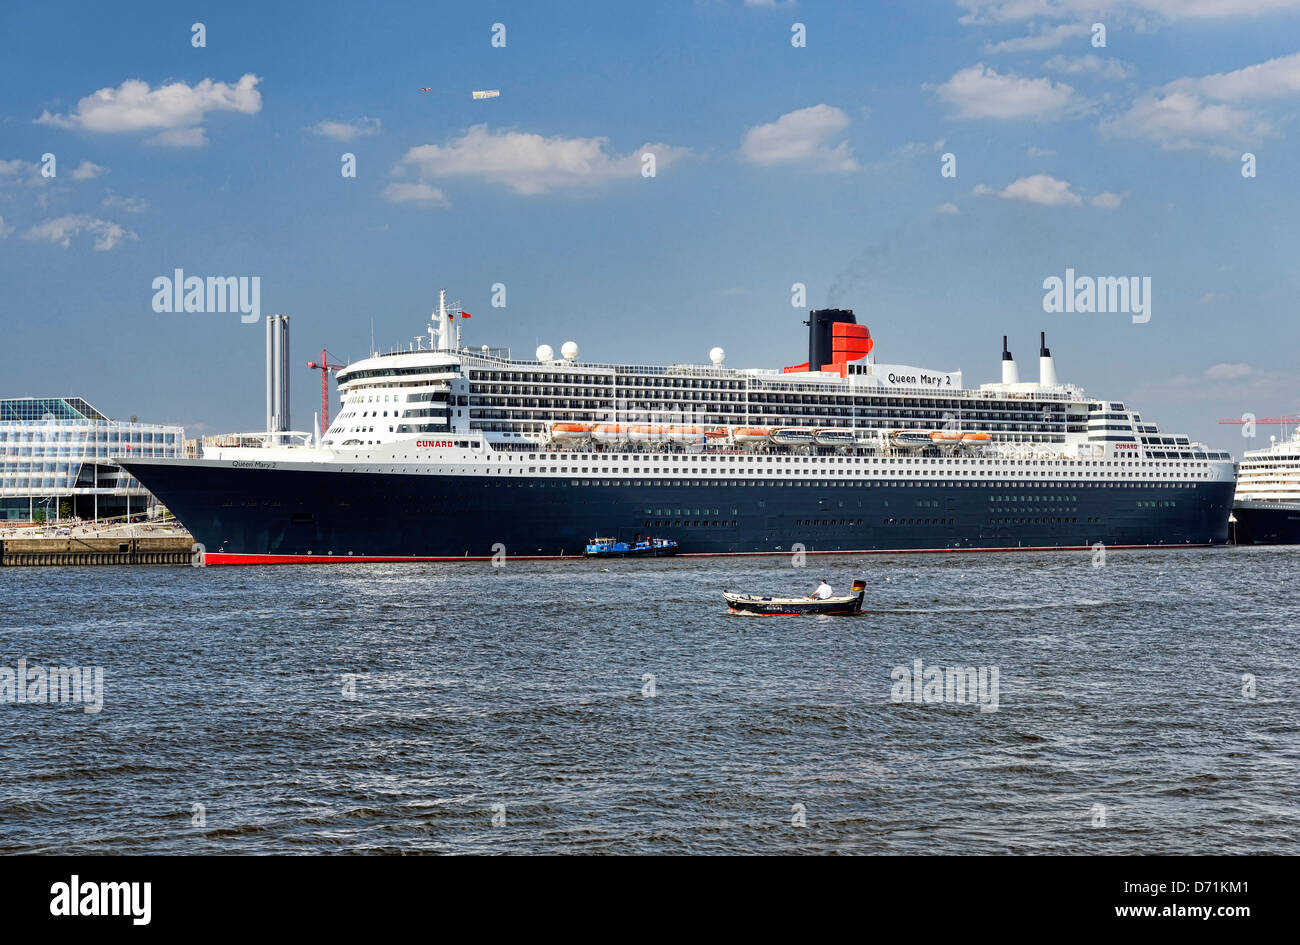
x=62, y=229
x=1045, y=38
x=1091, y=64
x=5, y=229
x=19, y=171
x=530, y=164
x=1270, y=79
x=347, y=130
x=1179, y=119
x=1106, y=200
x=1040, y=189
x=87, y=170
x=419, y=193
x=1005, y=11
x=904, y=154
x=1211, y=112
x=1228, y=372
x=180, y=138
x=126, y=204
x=176, y=110
x=801, y=137
x=947, y=208
x=981, y=92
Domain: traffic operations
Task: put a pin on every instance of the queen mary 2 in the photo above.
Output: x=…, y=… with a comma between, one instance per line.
x=450, y=452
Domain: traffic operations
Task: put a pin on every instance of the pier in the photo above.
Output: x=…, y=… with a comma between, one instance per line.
x=65, y=551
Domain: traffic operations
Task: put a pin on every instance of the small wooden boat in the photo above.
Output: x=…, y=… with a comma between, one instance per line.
x=636, y=548
x=792, y=606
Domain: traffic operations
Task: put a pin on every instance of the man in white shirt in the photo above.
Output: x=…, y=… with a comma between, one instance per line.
x=823, y=591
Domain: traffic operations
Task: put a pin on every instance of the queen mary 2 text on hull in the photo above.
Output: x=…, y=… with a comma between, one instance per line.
x=453, y=451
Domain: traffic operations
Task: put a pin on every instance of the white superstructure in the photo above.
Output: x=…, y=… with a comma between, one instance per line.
x=1271, y=474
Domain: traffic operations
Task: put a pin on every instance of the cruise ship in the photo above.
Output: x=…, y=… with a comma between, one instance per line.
x=452, y=452
x=1267, y=504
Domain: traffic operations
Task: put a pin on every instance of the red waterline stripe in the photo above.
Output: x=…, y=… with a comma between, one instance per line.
x=221, y=558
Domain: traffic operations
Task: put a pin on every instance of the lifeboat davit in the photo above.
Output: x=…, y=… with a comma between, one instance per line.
x=792, y=436
x=751, y=436
x=910, y=439
x=686, y=434
x=834, y=437
x=608, y=433
x=570, y=432
x=647, y=433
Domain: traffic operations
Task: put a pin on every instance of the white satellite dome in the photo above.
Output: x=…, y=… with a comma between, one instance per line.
x=716, y=355
x=545, y=353
x=570, y=350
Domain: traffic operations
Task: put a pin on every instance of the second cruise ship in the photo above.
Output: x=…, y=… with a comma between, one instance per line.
x=1267, y=505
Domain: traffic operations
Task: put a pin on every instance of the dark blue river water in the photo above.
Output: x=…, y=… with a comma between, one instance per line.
x=1122, y=723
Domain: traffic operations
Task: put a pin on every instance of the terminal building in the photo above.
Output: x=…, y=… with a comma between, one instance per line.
x=55, y=460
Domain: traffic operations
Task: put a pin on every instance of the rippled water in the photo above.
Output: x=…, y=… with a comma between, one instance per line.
x=1119, y=686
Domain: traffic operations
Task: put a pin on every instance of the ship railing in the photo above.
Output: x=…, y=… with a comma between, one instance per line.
x=259, y=440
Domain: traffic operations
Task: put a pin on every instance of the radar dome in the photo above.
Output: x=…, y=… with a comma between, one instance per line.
x=716, y=355
x=570, y=350
x=545, y=353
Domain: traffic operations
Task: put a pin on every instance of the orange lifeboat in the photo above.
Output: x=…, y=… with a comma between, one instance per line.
x=647, y=433
x=751, y=436
x=609, y=433
x=570, y=432
x=717, y=433
x=687, y=434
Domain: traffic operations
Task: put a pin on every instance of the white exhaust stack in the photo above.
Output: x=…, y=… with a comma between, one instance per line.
x=1009, y=373
x=1046, y=367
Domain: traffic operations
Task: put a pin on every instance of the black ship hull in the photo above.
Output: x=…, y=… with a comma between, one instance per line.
x=1260, y=524
x=244, y=514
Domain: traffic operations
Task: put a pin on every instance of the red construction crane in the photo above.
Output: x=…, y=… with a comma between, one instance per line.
x=1267, y=421
x=325, y=367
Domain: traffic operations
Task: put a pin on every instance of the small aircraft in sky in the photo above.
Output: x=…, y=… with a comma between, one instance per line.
x=426, y=90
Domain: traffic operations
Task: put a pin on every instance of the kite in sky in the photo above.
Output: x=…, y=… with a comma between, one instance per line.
x=487, y=93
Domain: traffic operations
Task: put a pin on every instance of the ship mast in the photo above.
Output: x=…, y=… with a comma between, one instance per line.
x=444, y=330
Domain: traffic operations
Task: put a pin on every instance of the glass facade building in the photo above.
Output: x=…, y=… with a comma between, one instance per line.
x=55, y=459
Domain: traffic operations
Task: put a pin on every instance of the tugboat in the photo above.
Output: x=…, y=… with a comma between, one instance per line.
x=638, y=547
x=791, y=606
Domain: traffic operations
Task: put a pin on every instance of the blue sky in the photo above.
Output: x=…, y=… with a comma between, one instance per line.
x=776, y=164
